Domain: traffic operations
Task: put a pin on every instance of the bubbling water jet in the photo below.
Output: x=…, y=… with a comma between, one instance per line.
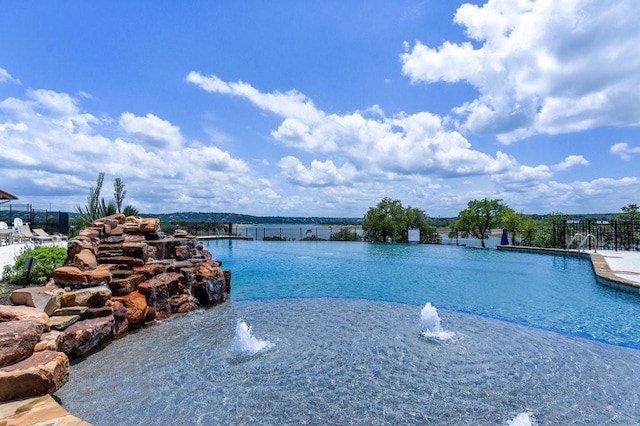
x=430, y=324
x=244, y=343
x=522, y=419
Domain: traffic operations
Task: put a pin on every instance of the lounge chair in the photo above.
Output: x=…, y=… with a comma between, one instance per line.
x=41, y=233
x=27, y=235
x=6, y=234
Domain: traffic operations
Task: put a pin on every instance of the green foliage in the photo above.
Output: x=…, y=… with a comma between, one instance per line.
x=630, y=213
x=389, y=221
x=345, y=234
x=97, y=207
x=544, y=235
x=479, y=217
x=274, y=238
x=46, y=260
x=313, y=238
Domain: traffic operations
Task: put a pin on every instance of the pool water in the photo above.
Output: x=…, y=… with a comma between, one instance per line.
x=526, y=334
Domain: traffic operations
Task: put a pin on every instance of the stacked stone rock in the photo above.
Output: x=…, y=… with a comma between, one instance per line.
x=121, y=273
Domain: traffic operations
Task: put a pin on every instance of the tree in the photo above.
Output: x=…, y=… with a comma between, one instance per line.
x=345, y=234
x=630, y=213
x=513, y=222
x=479, y=217
x=98, y=207
x=389, y=222
x=547, y=235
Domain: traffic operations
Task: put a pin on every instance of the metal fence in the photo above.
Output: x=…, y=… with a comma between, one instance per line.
x=296, y=233
x=50, y=221
x=602, y=234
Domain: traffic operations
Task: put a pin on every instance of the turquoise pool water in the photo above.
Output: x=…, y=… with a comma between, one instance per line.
x=528, y=335
x=553, y=292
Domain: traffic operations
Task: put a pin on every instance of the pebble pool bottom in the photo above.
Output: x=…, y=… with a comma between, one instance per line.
x=335, y=361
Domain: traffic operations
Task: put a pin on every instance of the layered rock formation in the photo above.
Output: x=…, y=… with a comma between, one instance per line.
x=121, y=273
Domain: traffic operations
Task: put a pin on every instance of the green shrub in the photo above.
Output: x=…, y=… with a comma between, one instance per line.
x=274, y=238
x=46, y=260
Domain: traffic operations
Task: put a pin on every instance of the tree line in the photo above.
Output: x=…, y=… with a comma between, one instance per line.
x=389, y=221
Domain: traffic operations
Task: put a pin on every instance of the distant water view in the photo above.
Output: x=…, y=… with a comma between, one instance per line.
x=340, y=332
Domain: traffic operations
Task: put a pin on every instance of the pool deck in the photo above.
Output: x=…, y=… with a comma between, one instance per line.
x=619, y=269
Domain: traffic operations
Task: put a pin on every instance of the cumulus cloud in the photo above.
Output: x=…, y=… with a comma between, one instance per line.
x=537, y=66
x=571, y=162
x=153, y=129
x=624, y=151
x=368, y=141
x=321, y=173
x=53, y=149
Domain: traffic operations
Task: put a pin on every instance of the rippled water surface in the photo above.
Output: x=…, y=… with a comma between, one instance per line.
x=343, y=323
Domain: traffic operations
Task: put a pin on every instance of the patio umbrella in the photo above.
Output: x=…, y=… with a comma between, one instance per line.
x=504, y=241
x=5, y=197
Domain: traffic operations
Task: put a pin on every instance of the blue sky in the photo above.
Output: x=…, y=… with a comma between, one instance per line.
x=322, y=108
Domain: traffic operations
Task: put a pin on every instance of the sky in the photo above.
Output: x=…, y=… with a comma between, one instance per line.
x=290, y=108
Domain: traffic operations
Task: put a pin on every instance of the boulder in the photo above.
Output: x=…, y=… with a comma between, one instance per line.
x=149, y=224
x=40, y=410
x=116, y=218
x=26, y=313
x=103, y=311
x=150, y=270
x=125, y=285
x=183, y=303
x=18, y=340
x=121, y=326
x=40, y=374
x=47, y=299
x=71, y=310
x=210, y=284
x=61, y=323
x=168, y=282
x=139, y=250
x=49, y=341
x=85, y=260
x=90, y=233
x=183, y=253
x=74, y=277
x=120, y=260
x=136, y=305
x=85, y=337
x=93, y=297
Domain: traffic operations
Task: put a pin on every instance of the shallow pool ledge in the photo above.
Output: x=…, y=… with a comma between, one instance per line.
x=603, y=271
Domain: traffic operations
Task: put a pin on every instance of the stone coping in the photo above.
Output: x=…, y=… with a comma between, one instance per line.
x=604, y=274
x=40, y=410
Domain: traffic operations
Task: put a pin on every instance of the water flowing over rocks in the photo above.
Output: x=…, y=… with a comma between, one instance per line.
x=121, y=273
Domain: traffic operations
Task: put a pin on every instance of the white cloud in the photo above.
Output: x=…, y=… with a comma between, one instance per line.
x=624, y=151
x=6, y=77
x=539, y=66
x=53, y=150
x=570, y=162
x=156, y=131
x=321, y=173
x=373, y=143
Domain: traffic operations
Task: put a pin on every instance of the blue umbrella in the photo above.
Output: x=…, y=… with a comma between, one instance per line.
x=505, y=239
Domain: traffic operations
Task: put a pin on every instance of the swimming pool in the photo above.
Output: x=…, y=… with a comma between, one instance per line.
x=528, y=333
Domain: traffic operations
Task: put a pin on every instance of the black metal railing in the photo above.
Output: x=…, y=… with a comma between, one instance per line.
x=51, y=221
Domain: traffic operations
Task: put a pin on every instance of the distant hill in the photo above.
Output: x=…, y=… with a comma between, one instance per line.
x=248, y=219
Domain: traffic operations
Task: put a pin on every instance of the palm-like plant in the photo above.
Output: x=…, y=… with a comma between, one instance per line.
x=98, y=207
